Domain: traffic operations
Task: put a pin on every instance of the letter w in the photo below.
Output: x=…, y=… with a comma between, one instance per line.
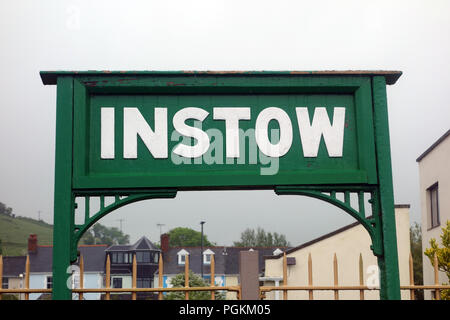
x=134, y=124
x=311, y=134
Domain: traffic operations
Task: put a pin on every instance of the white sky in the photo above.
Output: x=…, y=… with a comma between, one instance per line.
x=411, y=36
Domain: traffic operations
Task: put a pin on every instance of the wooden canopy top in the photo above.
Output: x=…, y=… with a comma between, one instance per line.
x=50, y=77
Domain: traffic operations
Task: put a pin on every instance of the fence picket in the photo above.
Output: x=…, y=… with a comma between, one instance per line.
x=310, y=277
x=186, y=277
x=160, y=275
x=437, y=294
x=80, y=295
x=336, y=279
x=108, y=277
x=361, y=276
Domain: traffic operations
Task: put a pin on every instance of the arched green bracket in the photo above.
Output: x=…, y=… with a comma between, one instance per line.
x=371, y=224
x=120, y=200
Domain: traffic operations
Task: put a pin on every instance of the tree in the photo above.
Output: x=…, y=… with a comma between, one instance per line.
x=442, y=254
x=261, y=238
x=415, y=234
x=100, y=234
x=5, y=210
x=186, y=237
x=194, y=281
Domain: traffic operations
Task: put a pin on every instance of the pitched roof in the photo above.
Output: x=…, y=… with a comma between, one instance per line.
x=434, y=145
x=13, y=266
x=142, y=244
x=93, y=256
x=226, y=259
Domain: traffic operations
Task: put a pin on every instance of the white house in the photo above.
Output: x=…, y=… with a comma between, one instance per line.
x=434, y=175
x=349, y=244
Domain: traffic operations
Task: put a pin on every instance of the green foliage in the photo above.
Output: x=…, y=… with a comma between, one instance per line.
x=194, y=281
x=415, y=234
x=442, y=254
x=5, y=210
x=100, y=234
x=186, y=237
x=261, y=238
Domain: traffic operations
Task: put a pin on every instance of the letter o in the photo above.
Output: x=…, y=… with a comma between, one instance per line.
x=262, y=123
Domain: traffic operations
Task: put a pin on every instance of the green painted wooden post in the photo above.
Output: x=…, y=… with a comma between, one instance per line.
x=63, y=202
x=388, y=262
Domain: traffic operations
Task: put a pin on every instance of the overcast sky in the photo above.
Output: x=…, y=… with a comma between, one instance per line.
x=411, y=36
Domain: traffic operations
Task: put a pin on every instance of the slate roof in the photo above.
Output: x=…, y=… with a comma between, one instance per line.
x=93, y=256
x=142, y=244
x=13, y=266
x=226, y=259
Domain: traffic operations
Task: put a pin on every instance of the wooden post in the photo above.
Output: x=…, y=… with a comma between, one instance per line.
x=310, y=277
x=1, y=273
x=186, y=276
x=80, y=295
x=411, y=276
x=134, y=277
x=437, y=294
x=336, y=280
x=160, y=276
x=108, y=277
x=27, y=277
x=213, y=280
x=361, y=276
x=285, y=282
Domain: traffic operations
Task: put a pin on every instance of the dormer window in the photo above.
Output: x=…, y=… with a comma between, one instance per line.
x=277, y=252
x=207, y=254
x=182, y=256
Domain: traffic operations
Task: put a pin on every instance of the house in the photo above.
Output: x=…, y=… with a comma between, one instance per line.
x=13, y=273
x=121, y=257
x=41, y=258
x=226, y=262
x=434, y=176
x=348, y=243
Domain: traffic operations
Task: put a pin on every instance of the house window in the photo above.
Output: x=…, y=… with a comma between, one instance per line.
x=143, y=256
x=5, y=283
x=117, y=282
x=207, y=256
x=433, y=198
x=155, y=257
x=182, y=256
x=49, y=282
x=143, y=283
x=114, y=257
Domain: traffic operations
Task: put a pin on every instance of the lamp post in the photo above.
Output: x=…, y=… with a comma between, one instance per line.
x=201, y=253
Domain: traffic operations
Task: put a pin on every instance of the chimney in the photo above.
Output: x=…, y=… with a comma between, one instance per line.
x=32, y=243
x=164, y=242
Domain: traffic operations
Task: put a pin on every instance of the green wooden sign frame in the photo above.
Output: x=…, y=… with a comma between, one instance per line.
x=81, y=173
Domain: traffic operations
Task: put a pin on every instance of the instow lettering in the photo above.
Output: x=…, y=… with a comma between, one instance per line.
x=156, y=140
x=310, y=134
x=134, y=124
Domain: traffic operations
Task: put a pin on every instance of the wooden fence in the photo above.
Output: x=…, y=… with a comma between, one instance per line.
x=285, y=288
x=336, y=288
x=133, y=290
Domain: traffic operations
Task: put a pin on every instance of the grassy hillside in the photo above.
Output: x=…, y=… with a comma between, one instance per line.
x=14, y=234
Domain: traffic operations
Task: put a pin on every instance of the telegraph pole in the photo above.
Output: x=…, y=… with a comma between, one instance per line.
x=120, y=224
x=201, y=253
x=160, y=225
